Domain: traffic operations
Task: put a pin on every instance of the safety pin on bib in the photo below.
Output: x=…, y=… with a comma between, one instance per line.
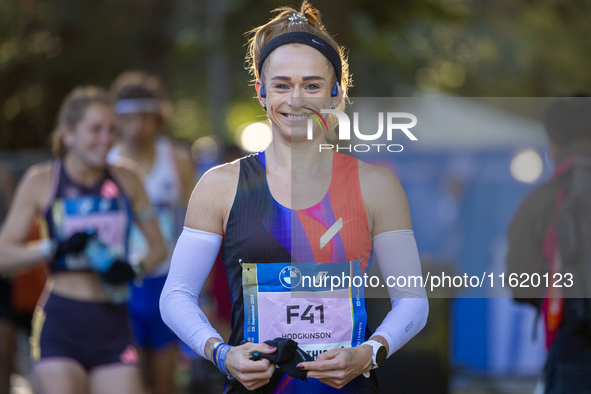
x=240, y=262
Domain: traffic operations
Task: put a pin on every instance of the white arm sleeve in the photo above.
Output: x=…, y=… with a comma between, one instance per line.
x=194, y=255
x=397, y=255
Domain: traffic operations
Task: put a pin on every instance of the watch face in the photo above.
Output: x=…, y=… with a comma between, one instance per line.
x=381, y=356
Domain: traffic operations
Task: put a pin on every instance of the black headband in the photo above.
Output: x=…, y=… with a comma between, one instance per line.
x=307, y=39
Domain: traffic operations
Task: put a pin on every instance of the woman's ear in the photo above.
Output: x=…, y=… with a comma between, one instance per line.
x=336, y=100
x=260, y=92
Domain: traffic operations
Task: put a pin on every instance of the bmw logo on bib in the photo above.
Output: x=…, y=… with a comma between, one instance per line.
x=290, y=277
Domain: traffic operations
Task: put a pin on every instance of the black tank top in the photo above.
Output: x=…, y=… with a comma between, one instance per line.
x=260, y=230
x=71, y=208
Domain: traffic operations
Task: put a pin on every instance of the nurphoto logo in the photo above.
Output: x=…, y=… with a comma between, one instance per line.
x=392, y=124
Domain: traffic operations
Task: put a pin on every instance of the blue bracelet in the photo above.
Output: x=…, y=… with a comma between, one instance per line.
x=216, y=347
x=221, y=364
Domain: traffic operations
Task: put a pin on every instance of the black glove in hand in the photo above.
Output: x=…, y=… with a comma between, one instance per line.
x=287, y=356
x=119, y=273
x=75, y=244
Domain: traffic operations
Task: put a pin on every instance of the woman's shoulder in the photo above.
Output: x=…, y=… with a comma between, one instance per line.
x=126, y=171
x=125, y=167
x=378, y=177
x=38, y=176
x=212, y=198
x=41, y=171
x=36, y=183
x=222, y=178
x=128, y=174
x=384, y=198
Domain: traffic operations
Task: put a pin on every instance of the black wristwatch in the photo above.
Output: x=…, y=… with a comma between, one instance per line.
x=378, y=356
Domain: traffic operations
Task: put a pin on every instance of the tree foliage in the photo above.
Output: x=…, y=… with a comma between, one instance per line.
x=459, y=47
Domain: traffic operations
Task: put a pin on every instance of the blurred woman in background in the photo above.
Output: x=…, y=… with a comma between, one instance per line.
x=82, y=340
x=168, y=177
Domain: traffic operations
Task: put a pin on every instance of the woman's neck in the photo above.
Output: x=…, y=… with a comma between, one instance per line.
x=301, y=160
x=82, y=173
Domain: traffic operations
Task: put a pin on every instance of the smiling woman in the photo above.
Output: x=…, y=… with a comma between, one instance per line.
x=280, y=89
x=323, y=59
x=291, y=211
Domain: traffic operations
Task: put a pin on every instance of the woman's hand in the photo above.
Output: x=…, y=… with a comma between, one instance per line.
x=337, y=367
x=252, y=374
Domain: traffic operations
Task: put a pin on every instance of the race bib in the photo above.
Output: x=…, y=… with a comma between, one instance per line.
x=300, y=302
x=105, y=216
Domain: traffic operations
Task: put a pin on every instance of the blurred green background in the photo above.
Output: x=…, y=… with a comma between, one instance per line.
x=396, y=48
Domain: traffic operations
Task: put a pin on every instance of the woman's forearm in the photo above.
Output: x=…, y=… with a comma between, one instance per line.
x=15, y=258
x=398, y=255
x=192, y=260
x=155, y=255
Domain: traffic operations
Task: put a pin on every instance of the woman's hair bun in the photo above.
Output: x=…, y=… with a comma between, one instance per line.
x=312, y=15
x=287, y=20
